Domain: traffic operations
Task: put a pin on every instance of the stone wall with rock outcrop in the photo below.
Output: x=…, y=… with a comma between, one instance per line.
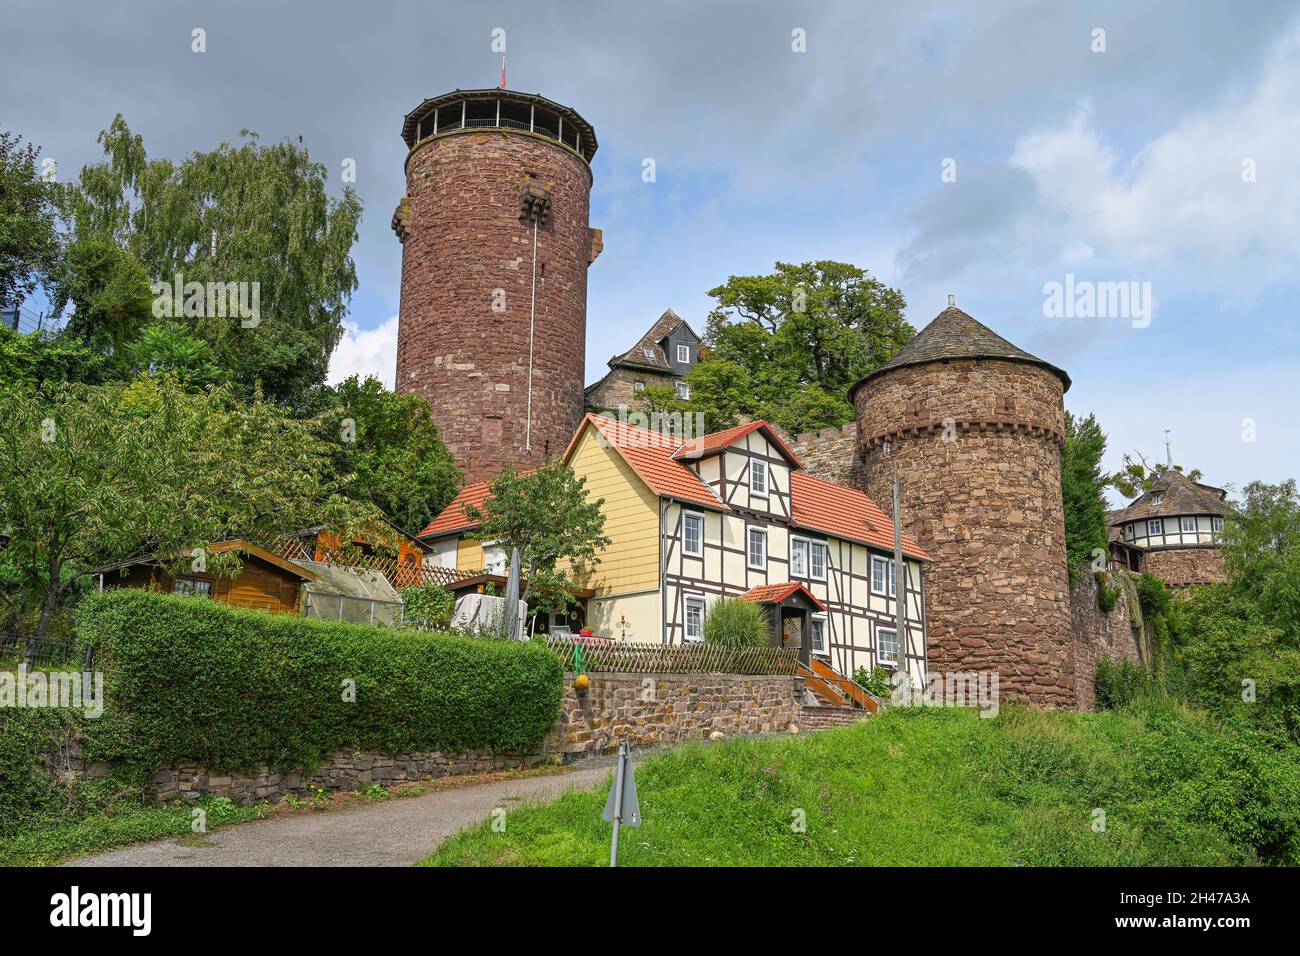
x=977, y=445
x=831, y=453
x=466, y=300
x=1117, y=635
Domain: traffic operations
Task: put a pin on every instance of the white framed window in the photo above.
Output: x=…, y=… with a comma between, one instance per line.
x=758, y=478
x=1216, y=524
x=638, y=386
x=694, y=617
x=798, y=557
x=693, y=534
x=683, y=390
x=817, y=560
x=1157, y=498
x=1154, y=527
x=494, y=557
x=1187, y=525
x=882, y=570
x=194, y=587
x=887, y=645
x=649, y=353
x=756, y=549
x=817, y=635
x=684, y=354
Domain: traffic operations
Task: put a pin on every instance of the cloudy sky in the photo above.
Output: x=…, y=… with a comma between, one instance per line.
x=983, y=150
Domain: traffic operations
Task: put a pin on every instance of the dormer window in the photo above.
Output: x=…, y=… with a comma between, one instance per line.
x=1157, y=498
x=758, y=478
x=649, y=353
x=684, y=354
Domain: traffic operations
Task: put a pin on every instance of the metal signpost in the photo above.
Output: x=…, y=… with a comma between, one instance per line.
x=622, y=806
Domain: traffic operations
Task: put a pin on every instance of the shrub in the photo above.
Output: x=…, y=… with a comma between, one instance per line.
x=1106, y=594
x=877, y=682
x=194, y=681
x=1119, y=684
x=27, y=736
x=732, y=622
x=430, y=606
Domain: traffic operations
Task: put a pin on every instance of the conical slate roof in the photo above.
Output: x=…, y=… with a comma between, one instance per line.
x=953, y=334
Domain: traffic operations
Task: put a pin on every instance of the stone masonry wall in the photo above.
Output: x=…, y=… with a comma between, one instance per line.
x=643, y=709
x=986, y=505
x=463, y=240
x=1180, y=567
x=618, y=390
x=831, y=453
x=1098, y=634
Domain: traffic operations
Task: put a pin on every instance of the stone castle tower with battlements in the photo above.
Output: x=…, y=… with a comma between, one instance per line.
x=973, y=427
x=495, y=248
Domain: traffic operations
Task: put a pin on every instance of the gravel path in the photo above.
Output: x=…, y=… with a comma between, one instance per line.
x=398, y=832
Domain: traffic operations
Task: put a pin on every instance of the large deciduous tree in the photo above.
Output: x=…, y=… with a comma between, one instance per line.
x=1083, y=486
x=389, y=444
x=244, y=213
x=29, y=239
x=787, y=346
x=89, y=475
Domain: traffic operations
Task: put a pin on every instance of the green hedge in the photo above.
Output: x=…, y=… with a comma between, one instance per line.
x=188, y=680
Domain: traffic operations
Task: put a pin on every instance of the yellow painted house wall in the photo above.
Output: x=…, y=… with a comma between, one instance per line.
x=631, y=561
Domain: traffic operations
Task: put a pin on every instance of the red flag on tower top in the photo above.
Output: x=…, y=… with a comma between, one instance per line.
x=503, y=71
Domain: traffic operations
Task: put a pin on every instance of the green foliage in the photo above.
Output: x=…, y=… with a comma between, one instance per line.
x=109, y=290
x=547, y=515
x=1261, y=551
x=732, y=622
x=787, y=346
x=42, y=357
x=1123, y=683
x=1107, y=594
x=27, y=794
x=1020, y=789
x=429, y=605
x=1137, y=475
x=244, y=213
x=29, y=239
x=89, y=475
x=200, y=682
x=879, y=682
x=1083, y=486
x=393, y=452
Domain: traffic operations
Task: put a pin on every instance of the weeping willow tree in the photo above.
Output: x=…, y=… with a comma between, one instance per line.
x=244, y=213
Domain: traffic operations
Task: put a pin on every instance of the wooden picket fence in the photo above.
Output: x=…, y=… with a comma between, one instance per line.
x=626, y=658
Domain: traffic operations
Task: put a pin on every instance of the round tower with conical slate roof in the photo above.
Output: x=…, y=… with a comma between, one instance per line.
x=495, y=247
x=974, y=427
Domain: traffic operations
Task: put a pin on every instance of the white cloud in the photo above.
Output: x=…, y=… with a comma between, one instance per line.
x=366, y=352
x=1181, y=201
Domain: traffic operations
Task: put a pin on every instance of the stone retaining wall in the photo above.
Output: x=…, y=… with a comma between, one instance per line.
x=1096, y=634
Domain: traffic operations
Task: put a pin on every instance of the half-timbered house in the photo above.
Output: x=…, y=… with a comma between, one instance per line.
x=731, y=513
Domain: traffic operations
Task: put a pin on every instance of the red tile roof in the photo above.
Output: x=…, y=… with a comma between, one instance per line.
x=822, y=505
x=776, y=593
x=453, y=517
x=819, y=505
x=712, y=442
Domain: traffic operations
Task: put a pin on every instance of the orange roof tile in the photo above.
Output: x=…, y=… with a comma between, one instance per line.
x=819, y=505
x=776, y=593
x=453, y=517
x=834, y=509
x=715, y=440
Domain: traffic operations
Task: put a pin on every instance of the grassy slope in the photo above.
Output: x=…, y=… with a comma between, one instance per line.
x=915, y=788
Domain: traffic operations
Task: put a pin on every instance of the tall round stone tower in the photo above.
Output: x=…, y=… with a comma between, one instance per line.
x=973, y=427
x=495, y=247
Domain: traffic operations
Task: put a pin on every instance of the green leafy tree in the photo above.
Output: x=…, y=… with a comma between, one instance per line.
x=89, y=475
x=1261, y=551
x=1137, y=475
x=389, y=444
x=787, y=346
x=41, y=357
x=1083, y=485
x=29, y=238
x=109, y=291
x=548, y=516
x=243, y=213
